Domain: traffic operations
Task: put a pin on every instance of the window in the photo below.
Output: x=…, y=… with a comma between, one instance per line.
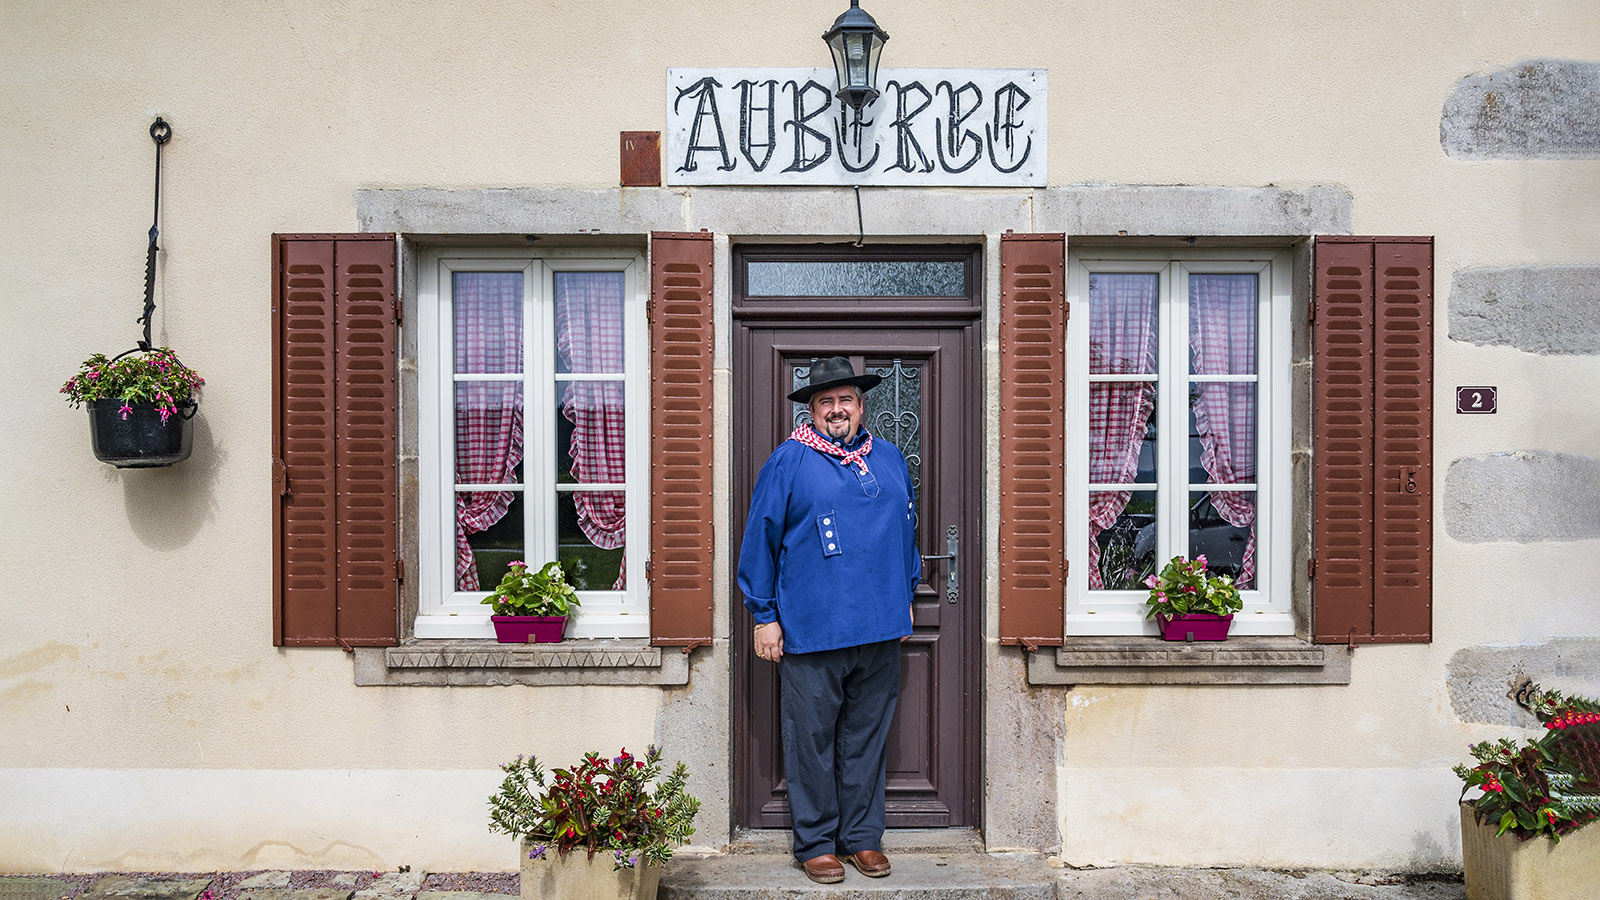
x=1178, y=431
x=533, y=422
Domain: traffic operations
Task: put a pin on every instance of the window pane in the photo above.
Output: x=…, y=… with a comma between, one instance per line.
x=1222, y=527
x=488, y=322
x=590, y=528
x=1122, y=432
x=490, y=525
x=1222, y=433
x=590, y=437
x=589, y=322
x=1122, y=324
x=1122, y=539
x=1222, y=324
x=827, y=278
x=488, y=419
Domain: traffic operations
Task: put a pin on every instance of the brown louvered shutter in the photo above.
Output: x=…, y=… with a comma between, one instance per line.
x=680, y=434
x=335, y=520
x=1372, y=440
x=1033, y=392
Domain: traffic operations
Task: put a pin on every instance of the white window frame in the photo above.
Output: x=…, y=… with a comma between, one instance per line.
x=1267, y=609
x=447, y=613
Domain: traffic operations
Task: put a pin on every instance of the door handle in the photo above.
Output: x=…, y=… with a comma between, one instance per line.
x=952, y=543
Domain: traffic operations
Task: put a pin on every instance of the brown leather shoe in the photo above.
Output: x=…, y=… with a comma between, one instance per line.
x=824, y=869
x=870, y=863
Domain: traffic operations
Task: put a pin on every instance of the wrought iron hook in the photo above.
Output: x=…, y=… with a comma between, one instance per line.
x=160, y=132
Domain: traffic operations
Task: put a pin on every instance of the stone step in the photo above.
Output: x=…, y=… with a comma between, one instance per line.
x=917, y=876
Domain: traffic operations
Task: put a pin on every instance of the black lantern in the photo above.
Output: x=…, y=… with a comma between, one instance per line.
x=856, y=42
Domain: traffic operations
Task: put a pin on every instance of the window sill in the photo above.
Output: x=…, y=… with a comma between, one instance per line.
x=1144, y=660
x=486, y=662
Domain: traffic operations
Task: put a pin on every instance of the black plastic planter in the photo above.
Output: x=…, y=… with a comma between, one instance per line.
x=140, y=441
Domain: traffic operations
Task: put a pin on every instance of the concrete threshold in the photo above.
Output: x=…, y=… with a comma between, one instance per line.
x=954, y=875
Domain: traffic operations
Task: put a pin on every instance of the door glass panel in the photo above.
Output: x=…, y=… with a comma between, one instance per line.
x=894, y=413
x=1222, y=324
x=1122, y=539
x=591, y=532
x=1222, y=527
x=1222, y=432
x=487, y=309
x=1122, y=323
x=491, y=523
x=590, y=436
x=858, y=278
x=589, y=322
x=488, y=422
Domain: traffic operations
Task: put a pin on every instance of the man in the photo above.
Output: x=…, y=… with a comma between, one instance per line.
x=828, y=565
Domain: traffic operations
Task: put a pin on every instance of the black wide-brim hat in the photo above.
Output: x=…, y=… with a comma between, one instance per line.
x=835, y=371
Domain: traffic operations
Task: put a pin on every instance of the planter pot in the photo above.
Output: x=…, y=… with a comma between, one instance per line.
x=1504, y=868
x=1194, y=627
x=575, y=876
x=529, y=629
x=141, y=440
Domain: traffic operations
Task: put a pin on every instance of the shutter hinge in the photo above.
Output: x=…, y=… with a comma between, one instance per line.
x=280, y=477
x=1066, y=311
x=1311, y=567
x=1311, y=310
x=649, y=571
x=399, y=310
x=399, y=568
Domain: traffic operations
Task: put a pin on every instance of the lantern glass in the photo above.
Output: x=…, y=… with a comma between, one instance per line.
x=856, y=43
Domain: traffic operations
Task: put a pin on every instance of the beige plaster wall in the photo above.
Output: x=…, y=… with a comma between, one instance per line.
x=148, y=721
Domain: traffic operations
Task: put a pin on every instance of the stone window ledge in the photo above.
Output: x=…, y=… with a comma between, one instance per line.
x=1150, y=660
x=485, y=662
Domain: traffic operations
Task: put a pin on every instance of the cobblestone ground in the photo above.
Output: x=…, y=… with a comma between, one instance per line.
x=261, y=885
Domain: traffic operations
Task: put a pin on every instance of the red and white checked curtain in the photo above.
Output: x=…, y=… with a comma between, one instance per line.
x=488, y=414
x=589, y=339
x=1222, y=340
x=1122, y=340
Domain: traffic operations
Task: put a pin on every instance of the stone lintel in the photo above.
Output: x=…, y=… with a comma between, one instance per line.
x=484, y=662
x=1144, y=660
x=830, y=212
x=1193, y=210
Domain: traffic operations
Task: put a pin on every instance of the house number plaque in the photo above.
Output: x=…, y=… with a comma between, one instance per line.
x=1478, y=399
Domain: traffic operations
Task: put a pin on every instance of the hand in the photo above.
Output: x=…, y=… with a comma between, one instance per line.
x=913, y=622
x=769, y=641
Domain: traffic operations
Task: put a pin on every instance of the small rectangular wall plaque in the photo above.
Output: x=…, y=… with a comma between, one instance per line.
x=641, y=159
x=1475, y=400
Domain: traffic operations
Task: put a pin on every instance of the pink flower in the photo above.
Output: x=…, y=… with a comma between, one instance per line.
x=1152, y=582
x=125, y=409
x=1201, y=559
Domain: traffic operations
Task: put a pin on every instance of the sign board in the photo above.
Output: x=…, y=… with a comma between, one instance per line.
x=1478, y=399
x=928, y=127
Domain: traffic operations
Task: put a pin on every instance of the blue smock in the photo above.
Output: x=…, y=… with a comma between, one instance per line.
x=829, y=553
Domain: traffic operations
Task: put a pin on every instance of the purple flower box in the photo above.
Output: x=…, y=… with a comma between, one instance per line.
x=1194, y=627
x=529, y=629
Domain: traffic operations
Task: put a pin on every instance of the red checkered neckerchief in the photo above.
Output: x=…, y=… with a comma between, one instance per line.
x=807, y=435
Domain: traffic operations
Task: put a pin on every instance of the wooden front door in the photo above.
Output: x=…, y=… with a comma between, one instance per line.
x=925, y=346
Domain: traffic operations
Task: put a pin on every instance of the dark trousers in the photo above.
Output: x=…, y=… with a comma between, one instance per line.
x=836, y=709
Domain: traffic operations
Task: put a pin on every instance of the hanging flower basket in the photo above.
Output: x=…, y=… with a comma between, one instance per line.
x=141, y=407
x=138, y=436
